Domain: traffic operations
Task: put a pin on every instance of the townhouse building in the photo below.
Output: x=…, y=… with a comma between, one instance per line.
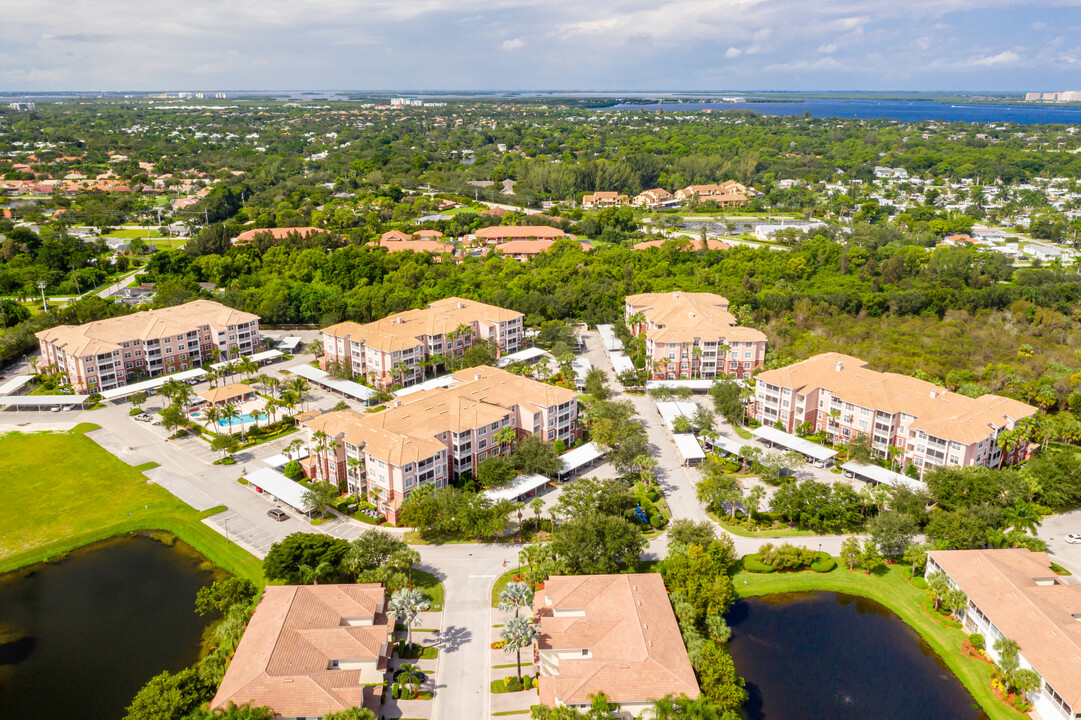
x=615, y=634
x=107, y=354
x=693, y=336
x=432, y=436
x=603, y=199
x=312, y=650
x=1014, y=593
x=397, y=349
x=727, y=193
x=924, y=424
x=505, y=233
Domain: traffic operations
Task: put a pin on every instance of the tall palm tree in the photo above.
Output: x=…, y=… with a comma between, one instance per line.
x=518, y=633
x=404, y=560
x=273, y=384
x=247, y=366
x=228, y=412
x=537, y=505
x=406, y=605
x=212, y=415
x=400, y=367
x=515, y=596
x=256, y=414
x=310, y=575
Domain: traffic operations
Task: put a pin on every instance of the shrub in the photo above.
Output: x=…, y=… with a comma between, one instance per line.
x=657, y=521
x=976, y=640
x=786, y=556
x=825, y=565
x=134, y=411
x=498, y=644
x=653, y=495
x=512, y=683
x=527, y=682
x=293, y=470
x=752, y=564
x=920, y=582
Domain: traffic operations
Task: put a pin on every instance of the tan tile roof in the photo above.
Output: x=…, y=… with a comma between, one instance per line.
x=404, y=330
x=690, y=243
x=394, y=235
x=226, y=393
x=277, y=233
x=938, y=412
x=107, y=335
x=519, y=232
x=283, y=660
x=678, y=317
x=406, y=432
x=636, y=650
x=531, y=247
x=415, y=246
x=1042, y=619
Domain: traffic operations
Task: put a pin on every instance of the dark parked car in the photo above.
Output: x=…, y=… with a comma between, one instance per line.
x=277, y=514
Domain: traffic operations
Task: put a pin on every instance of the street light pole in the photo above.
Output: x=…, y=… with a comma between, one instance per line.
x=41, y=286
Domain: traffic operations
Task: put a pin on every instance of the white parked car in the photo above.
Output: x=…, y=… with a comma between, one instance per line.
x=1074, y=538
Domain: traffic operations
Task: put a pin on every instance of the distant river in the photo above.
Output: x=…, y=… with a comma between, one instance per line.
x=905, y=110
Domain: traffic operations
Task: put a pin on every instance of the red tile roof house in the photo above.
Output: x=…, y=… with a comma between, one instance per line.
x=614, y=634
x=310, y=650
x=523, y=250
x=504, y=233
x=277, y=233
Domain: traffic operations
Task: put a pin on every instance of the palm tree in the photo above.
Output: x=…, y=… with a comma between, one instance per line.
x=310, y=575
x=211, y=377
x=518, y=633
x=400, y=367
x=290, y=400
x=272, y=384
x=212, y=415
x=406, y=605
x=232, y=627
x=410, y=674
x=754, y=499
x=321, y=442
x=256, y=414
x=271, y=407
x=537, y=505
x=646, y=465
x=299, y=386
x=294, y=445
x=404, y=560
x=247, y=366
x=228, y=412
x=515, y=596
x=319, y=496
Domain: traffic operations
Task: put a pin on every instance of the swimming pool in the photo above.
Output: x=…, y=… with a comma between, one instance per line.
x=237, y=419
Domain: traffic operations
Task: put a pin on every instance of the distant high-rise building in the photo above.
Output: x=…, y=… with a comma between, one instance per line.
x=23, y=106
x=219, y=96
x=1033, y=97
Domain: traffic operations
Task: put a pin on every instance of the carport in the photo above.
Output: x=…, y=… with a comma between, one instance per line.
x=808, y=449
x=881, y=476
x=580, y=458
x=324, y=379
x=688, y=448
x=277, y=487
x=518, y=487
x=42, y=402
x=152, y=384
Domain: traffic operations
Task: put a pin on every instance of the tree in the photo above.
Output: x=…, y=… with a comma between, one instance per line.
x=352, y=713
x=223, y=594
x=406, y=605
x=728, y=400
x=1026, y=681
x=495, y=472
x=224, y=444
x=533, y=455
x=232, y=711
x=1055, y=475
x=310, y=575
x=515, y=596
x=537, y=505
x=590, y=495
x=718, y=678
x=518, y=633
x=597, y=544
x=937, y=587
x=285, y=557
x=850, y=552
x=689, y=532
x=597, y=384
x=319, y=496
x=870, y=559
x=892, y=532
x=504, y=436
x=170, y=696
x=955, y=601
x=372, y=549
x=404, y=559
x=1007, y=651
x=137, y=399
x=229, y=412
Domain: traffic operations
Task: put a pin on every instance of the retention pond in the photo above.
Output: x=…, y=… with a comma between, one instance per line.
x=80, y=636
x=831, y=656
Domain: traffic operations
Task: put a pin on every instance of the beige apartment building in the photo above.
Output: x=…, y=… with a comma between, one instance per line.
x=693, y=336
x=655, y=198
x=928, y=425
x=310, y=650
x=1014, y=593
x=395, y=350
x=432, y=436
x=106, y=354
x=604, y=199
x=727, y=193
x=614, y=634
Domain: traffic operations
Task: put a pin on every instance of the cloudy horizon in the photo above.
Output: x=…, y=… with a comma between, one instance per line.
x=633, y=45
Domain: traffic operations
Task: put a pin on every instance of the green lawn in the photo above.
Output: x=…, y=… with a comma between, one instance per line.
x=726, y=523
x=61, y=491
x=501, y=582
x=891, y=589
x=433, y=589
x=135, y=233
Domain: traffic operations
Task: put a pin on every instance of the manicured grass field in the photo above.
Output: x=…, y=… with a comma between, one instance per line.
x=890, y=588
x=432, y=588
x=135, y=233
x=61, y=491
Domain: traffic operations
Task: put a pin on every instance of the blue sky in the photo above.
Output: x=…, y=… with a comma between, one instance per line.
x=660, y=45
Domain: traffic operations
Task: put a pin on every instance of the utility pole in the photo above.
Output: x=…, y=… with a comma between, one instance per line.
x=41, y=287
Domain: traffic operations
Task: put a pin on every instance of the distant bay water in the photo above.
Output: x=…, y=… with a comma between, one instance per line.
x=903, y=110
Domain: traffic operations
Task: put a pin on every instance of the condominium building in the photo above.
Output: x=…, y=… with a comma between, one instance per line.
x=311, y=650
x=603, y=199
x=614, y=634
x=928, y=425
x=727, y=193
x=693, y=336
x=505, y=233
x=107, y=354
x=431, y=436
x=1014, y=593
x=397, y=349
x=655, y=198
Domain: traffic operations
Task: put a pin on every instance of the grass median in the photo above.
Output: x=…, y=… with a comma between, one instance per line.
x=62, y=491
x=891, y=589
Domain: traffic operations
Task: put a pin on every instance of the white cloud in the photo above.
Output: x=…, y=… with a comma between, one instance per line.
x=827, y=49
x=513, y=44
x=1039, y=26
x=1006, y=57
x=733, y=52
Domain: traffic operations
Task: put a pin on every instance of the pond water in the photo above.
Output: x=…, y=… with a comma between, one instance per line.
x=79, y=637
x=831, y=656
